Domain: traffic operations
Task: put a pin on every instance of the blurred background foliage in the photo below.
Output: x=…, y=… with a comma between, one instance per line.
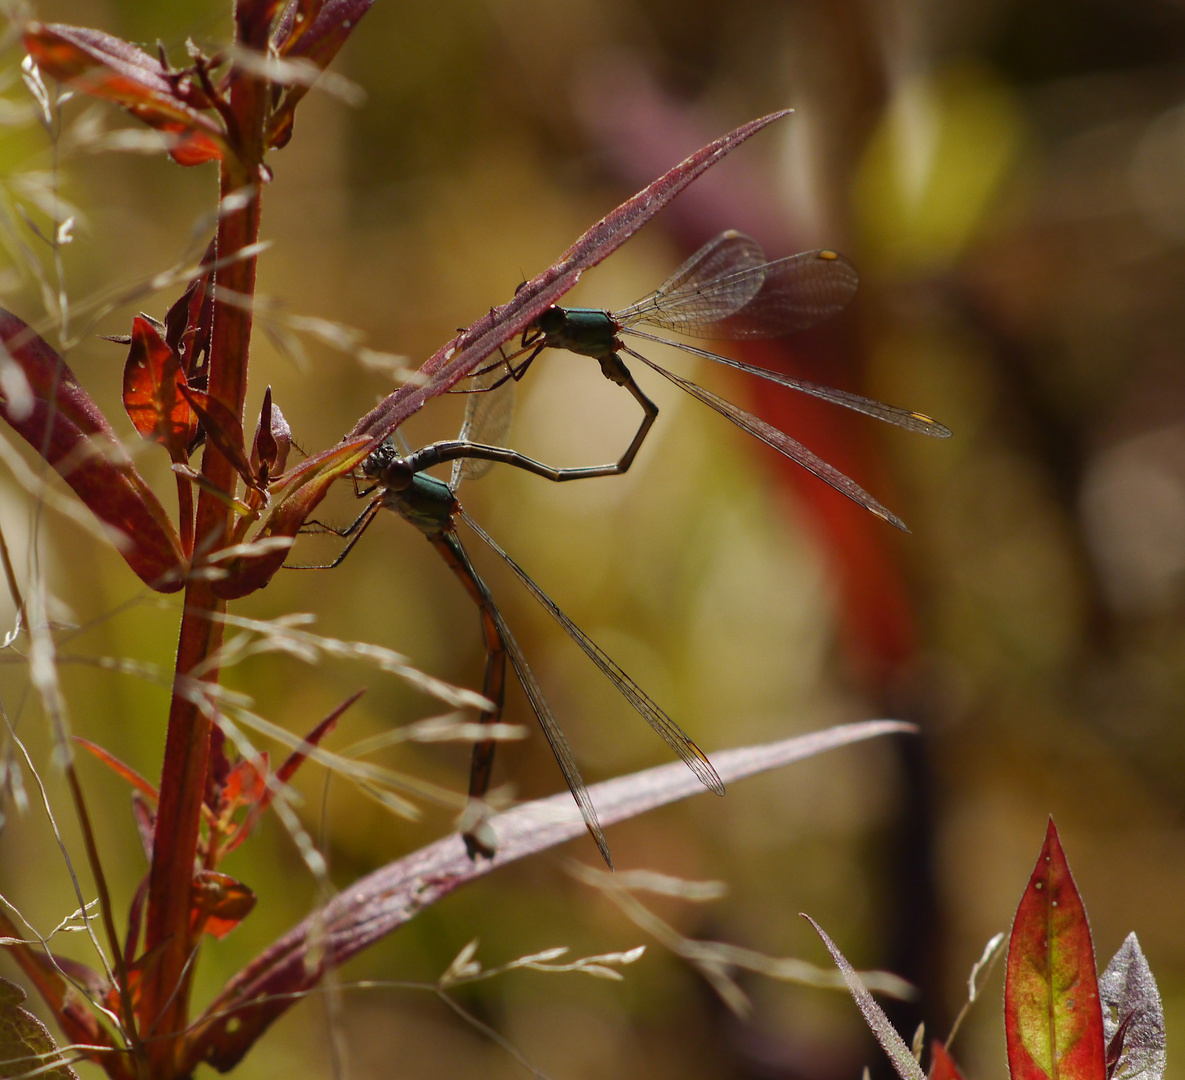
x=1008, y=177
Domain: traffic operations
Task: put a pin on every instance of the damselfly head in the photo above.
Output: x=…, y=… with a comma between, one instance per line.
x=388, y=467
x=552, y=320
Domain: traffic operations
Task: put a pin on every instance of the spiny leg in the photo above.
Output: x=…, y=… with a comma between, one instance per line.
x=352, y=533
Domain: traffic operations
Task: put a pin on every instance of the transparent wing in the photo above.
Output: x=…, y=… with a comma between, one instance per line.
x=891, y=414
x=718, y=280
x=539, y=704
x=781, y=442
x=670, y=732
x=798, y=292
x=489, y=410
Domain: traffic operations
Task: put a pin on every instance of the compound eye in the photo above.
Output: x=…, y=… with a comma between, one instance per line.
x=551, y=320
x=397, y=476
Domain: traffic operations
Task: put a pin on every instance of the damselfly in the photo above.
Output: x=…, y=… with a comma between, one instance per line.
x=726, y=290
x=400, y=483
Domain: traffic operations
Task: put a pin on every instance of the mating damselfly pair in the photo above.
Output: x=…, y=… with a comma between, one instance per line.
x=726, y=290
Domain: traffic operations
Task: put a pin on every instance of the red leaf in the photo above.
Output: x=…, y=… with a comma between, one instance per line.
x=188, y=322
x=314, y=31
x=313, y=739
x=135, y=917
x=117, y=766
x=246, y=782
x=220, y=902
x=267, y=792
x=460, y=356
x=115, y=70
x=942, y=1065
x=1052, y=1017
x=273, y=440
x=151, y=391
x=307, y=486
x=383, y=901
x=223, y=429
x=65, y=426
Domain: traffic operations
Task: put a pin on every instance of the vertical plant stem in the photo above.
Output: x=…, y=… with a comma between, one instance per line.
x=165, y=1001
x=185, y=515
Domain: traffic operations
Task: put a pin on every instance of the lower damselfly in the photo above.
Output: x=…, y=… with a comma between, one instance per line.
x=399, y=482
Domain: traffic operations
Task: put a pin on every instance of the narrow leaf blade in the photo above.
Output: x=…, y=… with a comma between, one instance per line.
x=67, y=428
x=383, y=901
x=113, y=69
x=460, y=356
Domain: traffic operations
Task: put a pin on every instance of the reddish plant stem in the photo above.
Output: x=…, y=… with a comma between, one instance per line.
x=165, y=1000
x=185, y=515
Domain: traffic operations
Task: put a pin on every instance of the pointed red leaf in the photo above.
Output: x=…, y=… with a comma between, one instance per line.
x=307, y=485
x=223, y=429
x=63, y=424
x=310, y=30
x=293, y=762
x=135, y=918
x=188, y=322
x=151, y=392
x=220, y=902
x=942, y=1065
x=1053, y=1021
x=113, y=69
x=246, y=783
x=461, y=355
x=313, y=739
x=217, y=772
x=273, y=440
x=383, y=901
x=118, y=767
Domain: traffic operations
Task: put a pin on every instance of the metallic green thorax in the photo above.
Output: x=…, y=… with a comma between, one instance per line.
x=428, y=503
x=587, y=331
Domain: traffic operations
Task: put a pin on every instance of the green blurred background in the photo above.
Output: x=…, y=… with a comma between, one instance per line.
x=1010, y=179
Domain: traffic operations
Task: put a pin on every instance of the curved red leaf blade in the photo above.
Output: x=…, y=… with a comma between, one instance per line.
x=151, y=391
x=220, y=902
x=65, y=426
x=452, y=362
x=223, y=429
x=383, y=901
x=109, y=67
x=307, y=486
x=1053, y=1021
